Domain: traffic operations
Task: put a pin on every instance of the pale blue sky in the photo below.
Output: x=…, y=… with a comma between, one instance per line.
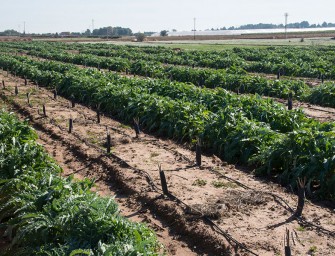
x=44, y=16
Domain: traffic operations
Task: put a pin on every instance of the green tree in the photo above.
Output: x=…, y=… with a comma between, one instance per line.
x=140, y=37
x=164, y=33
x=87, y=32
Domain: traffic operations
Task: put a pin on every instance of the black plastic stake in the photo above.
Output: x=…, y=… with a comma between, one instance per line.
x=289, y=102
x=198, y=153
x=108, y=142
x=127, y=71
x=287, y=243
x=137, y=127
x=3, y=84
x=73, y=103
x=16, y=90
x=202, y=82
x=55, y=94
x=70, y=125
x=98, y=116
x=163, y=181
x=278, y=74
x=44, y=110
x=301, y=197
x=25, y=81
x=322, y=78
x=28, y=100
x=241, y=89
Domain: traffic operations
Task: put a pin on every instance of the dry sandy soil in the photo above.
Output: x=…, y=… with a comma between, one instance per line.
x=220, y=207
x=323, y=114
x=14, y=39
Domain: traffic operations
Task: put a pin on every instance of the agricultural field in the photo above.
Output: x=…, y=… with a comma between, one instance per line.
x=240, y=196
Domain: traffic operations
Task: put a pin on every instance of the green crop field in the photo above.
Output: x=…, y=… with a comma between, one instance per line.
x=185, y=95
x=228, y=99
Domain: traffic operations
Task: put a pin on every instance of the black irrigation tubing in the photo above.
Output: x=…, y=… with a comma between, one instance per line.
x=249, y=188
x=323, y=110
x=219, y=230
x=300, y=103
x=276, y=197
x=308, y=223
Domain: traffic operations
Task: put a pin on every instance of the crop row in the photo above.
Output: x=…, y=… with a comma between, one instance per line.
x=293, y=61
x=45, y=214
x=305, y=151
x=233, y=80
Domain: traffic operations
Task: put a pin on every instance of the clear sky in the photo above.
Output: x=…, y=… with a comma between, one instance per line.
x=43, y=16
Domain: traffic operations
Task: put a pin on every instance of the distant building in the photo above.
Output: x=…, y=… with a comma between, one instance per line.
x=65, y=34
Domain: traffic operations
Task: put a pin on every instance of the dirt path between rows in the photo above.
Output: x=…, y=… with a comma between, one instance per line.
x=323, y=114
x=256, y=219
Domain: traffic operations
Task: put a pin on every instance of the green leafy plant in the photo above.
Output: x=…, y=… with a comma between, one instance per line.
x=199, y=183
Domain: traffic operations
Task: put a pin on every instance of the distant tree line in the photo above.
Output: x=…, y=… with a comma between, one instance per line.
x=112, y=31
x=303, y=24
x=9, y=32
x=100, y=32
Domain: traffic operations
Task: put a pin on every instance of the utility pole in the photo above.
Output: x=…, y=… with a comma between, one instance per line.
x=92, y=26
x=194, y=19
x=24, y=28
x=286, y=16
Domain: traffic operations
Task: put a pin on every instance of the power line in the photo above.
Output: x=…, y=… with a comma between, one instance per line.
x=194, y=20
x=286, y=16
